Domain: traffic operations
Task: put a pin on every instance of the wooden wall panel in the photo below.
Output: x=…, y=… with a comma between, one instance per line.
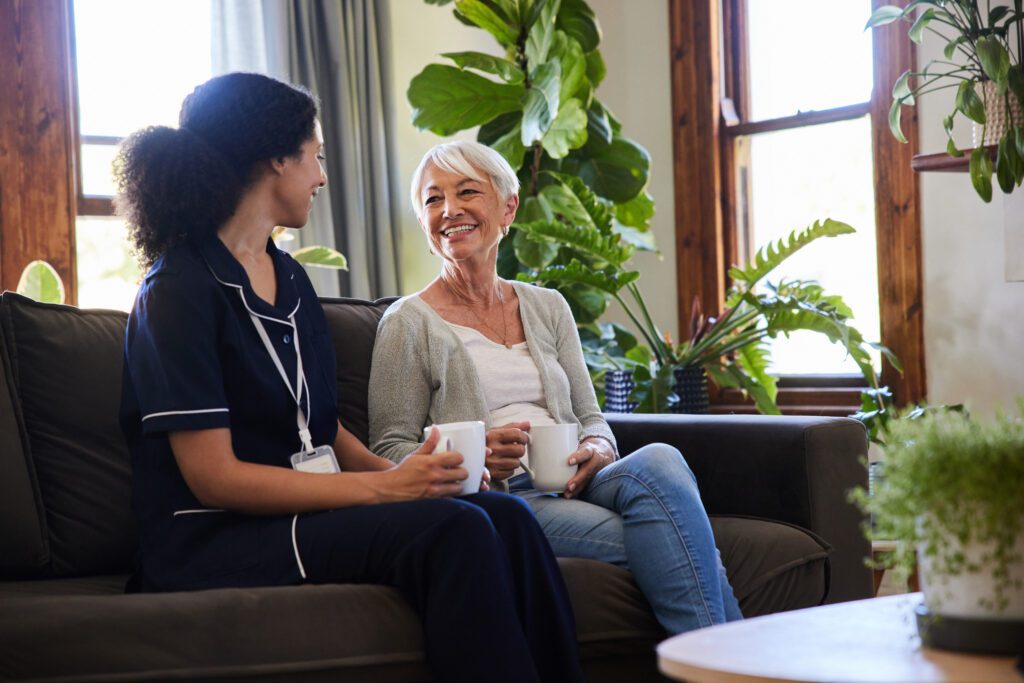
x=898, y=220
x=37, y=191
x=697, y=169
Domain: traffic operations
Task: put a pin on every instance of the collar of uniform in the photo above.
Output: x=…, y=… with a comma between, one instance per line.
x=230, y=273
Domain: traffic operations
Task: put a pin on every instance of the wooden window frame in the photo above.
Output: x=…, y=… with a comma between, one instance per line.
x=704, y=62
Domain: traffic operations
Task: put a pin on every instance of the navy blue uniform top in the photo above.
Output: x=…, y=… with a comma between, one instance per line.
x=194, y=360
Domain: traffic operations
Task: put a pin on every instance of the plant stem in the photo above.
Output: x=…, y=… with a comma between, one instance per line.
x=636, y=323
x=535, y=169
x=638, y=297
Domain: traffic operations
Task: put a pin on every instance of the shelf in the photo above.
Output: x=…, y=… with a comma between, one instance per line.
x=944, y=163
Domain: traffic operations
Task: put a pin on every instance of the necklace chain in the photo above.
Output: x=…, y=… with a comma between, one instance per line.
x=501, y=302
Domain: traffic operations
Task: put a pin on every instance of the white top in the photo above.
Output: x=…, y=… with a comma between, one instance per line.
x=509, y=379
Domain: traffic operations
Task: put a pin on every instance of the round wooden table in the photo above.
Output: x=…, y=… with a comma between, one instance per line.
x=865, y=641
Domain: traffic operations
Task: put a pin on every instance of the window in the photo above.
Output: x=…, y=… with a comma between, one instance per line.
x=779, y=124
x=135, y=62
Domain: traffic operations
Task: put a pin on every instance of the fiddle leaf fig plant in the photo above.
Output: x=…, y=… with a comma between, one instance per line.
x=40, y=281
x=583, y=204
x=983, y=61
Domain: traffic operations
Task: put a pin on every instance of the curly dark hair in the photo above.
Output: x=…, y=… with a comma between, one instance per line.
x=178, y=184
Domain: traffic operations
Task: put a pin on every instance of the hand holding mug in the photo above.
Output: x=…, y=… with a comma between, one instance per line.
x=592, y=456
x=507, y=445
x=426, y=474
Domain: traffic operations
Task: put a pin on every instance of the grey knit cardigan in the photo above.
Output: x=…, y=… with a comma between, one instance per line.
x=423, y=375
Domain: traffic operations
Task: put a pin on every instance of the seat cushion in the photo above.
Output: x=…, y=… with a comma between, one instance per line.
x=353, y=327
x=66, y=365
x=772, y=566
x=78, y=627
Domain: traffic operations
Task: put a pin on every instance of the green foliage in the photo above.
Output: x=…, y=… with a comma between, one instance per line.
x=583, y=205
x=985, y=45
x=950, y=480
x=40, y=281
x=323, y=257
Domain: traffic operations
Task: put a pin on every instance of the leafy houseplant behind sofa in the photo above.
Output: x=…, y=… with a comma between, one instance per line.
x=775, y=488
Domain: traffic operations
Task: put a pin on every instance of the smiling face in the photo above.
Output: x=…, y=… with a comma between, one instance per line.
x=462, y=217
x=300, y=179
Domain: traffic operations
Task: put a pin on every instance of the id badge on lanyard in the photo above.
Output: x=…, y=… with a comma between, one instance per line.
x=321, y=459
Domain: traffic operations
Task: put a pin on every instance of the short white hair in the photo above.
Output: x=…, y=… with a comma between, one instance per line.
x=466, y=158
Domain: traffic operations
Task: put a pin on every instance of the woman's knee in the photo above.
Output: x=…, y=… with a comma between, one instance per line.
x=662, y=462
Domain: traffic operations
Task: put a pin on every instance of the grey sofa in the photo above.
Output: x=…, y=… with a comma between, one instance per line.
x=775, y=488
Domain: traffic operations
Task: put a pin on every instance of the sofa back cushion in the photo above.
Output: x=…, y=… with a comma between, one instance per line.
x=353, y=327
x=63, y=370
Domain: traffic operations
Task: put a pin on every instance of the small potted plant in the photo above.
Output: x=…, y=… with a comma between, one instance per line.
x=983, y=61
x=952, y=498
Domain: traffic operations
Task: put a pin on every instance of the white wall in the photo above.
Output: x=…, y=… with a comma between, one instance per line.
x=635, y=49
x=973, y=317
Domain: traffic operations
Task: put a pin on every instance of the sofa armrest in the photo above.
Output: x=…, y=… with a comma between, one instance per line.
x=793, y=469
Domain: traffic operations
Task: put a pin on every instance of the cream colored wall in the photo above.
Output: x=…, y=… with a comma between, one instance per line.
x=635, y=48
x=973, y=317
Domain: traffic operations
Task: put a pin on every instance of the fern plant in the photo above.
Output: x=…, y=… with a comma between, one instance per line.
x=731, y=346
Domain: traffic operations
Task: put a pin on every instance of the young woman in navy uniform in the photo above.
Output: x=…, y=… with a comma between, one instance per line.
x=229, y=372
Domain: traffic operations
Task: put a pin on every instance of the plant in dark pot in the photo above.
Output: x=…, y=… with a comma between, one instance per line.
x=951, y=499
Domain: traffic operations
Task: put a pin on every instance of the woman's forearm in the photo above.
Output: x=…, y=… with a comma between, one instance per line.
x=353, y=456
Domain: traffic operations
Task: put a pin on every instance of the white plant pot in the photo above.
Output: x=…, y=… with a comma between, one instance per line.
x=970, y=594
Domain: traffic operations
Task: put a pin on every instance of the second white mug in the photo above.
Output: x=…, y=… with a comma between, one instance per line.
x=547, y=456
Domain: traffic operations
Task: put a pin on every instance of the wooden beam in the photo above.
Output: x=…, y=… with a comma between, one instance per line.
x=897, y=220
x=694, y=38
x=37, y=190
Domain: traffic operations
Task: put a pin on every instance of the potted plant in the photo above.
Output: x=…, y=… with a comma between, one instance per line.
x=951, y=498
x=983, y=61
x=730, y=347
x=536, y=104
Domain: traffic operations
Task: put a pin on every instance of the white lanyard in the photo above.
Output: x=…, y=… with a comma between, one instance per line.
x=300, y=378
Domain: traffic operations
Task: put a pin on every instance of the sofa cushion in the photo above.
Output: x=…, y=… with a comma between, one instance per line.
x=348, y=632
x=353, y=327
x=772, y=566
x=65, y=364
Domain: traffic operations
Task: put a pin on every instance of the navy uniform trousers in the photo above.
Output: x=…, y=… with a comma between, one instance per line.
x=477, y=570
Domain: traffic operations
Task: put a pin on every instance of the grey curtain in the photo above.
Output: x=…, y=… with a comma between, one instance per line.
x=338, y=49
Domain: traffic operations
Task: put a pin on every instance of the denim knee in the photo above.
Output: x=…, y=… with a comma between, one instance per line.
x=662, y=463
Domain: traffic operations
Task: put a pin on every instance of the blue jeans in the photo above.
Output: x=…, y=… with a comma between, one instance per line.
x=644, y=513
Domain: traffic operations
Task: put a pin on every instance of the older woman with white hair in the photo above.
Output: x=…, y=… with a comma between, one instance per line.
x=472, y=346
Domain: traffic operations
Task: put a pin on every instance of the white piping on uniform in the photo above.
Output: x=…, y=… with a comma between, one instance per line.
x=195, y=512
x=295, y=546
x=245, y=303
x=185, y=412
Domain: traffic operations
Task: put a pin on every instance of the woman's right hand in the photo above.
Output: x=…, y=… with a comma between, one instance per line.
x=425, y=474
x=508, y=445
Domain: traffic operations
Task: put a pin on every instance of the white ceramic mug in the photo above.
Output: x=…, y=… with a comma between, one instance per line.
x=469, y=439
x=547, y=456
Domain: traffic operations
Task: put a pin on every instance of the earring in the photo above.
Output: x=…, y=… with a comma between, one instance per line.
x=504, y=231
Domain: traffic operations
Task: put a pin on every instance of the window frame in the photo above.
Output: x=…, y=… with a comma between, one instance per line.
x=708, y=80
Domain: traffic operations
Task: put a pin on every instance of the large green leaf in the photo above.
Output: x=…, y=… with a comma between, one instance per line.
x=587, y=240
x=968, y=102
x=484, y=15
x=40, y=281
x=510, y=146
x=916, y=32
x=754, y=359
x=506, y=70
x=599, y=128
x=578, y=20
x=541, y=104
x=538, y=41
x=1015, y=80
x=575, y=272
x=597, y=210
x=901, y=88
x=587, y=304
x=894, y=120
x=886, y=14
x=637, y=212
x=446, y=99
x=596, y=69
x=561, y=201
x=980, y=169
x=323, y=257
x=770, y=256
x=1006, y=164
x=537, y=253
x=995, y=60
x=569, y=55
x=642, y=240
x=618, y=171
x=568, y=130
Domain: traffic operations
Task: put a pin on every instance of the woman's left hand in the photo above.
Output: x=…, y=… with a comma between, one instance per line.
x=592, y=456
x=485, y=478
